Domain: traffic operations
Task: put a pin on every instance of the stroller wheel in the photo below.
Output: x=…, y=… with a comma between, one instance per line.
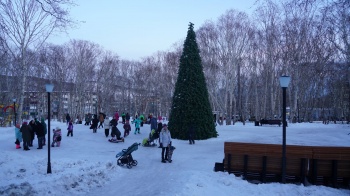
x=129, y=166
x=134, y=163
x=119, y=162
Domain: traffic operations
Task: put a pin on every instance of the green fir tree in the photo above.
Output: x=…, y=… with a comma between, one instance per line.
x=190, y=102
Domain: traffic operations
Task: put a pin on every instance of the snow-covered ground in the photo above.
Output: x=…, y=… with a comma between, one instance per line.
x=85, y=164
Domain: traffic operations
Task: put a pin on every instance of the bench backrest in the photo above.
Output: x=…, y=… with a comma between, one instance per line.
x=273, y=154
x=325, y=156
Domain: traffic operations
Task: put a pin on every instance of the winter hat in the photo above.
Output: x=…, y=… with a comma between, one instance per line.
x=58, y=128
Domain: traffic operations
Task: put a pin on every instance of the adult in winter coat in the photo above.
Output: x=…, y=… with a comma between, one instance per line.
x=159, y=129
x=115, y=132
x=113, y=122
x=94, y=124
x=123, y=117
x=32, y=132
x=68, y=118
x=142, y=118
x=116, y=116
x=26, y=135
x=88, y=119
x=127, y=117
x=165, y=142
x=45, y=129
x=40, y=134
x=106, y=123
x=101, y=119
x=18, y=135
x=153, y=122
x=191, y=134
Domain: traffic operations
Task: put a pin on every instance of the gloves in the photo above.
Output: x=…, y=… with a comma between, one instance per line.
x=161, y=145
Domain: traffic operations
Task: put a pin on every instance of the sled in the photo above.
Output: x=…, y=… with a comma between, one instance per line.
x=116, y=141
x=170, y=153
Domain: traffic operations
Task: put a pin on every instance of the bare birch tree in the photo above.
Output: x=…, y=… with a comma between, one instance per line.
x=26, y=24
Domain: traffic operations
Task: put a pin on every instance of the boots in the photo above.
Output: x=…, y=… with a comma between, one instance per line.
x=18, y=146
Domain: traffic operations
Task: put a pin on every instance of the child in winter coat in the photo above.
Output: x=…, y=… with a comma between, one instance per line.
x=70, y=129
x=57, y=137
x=18, y=135
x=127, y=128
x=106, y=124
x=137, y=122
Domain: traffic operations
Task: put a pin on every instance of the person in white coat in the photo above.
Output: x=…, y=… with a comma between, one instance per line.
x=165, y=142
x=106, y=125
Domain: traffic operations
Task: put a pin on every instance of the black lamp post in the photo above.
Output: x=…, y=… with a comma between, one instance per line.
x=284, y=82
x=49, y=88
x=14, y=109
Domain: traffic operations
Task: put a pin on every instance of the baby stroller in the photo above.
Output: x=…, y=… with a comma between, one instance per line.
x=125, y=157
x=149, y=142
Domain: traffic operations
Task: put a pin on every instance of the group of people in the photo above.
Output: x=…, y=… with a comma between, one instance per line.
x=164, y=136
x=162, y=131
x=108, y=125
x=27, y=132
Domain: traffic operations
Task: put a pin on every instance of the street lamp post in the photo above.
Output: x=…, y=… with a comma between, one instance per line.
x=284, y=82
x=49, y=88
x=14, y=109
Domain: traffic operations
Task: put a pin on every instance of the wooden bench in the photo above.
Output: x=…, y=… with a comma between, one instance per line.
x=263, y=162
x=270, y=122
x=330, y=165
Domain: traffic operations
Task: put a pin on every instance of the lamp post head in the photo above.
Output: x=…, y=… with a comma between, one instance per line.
x=49, y=88
x=284, y=81
x=14, y=100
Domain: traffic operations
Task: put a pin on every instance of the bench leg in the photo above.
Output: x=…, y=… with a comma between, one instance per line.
x=334, y=173
x=263, y=173
x=314, y=171
x=245, y=166
x=229, y=163
x=302, y=171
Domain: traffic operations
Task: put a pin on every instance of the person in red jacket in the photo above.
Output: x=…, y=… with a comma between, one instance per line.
x=116, y=115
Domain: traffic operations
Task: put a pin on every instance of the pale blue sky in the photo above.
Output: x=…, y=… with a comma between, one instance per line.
x=139, y=28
